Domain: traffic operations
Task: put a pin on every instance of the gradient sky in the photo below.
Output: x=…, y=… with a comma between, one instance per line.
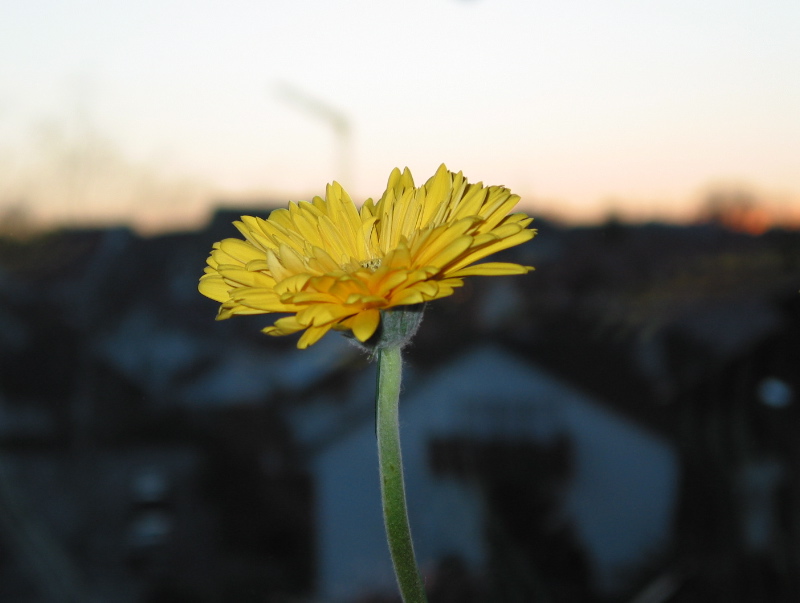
x=150, y=110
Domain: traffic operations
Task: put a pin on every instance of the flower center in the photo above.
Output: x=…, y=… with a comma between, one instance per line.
x=372, y=264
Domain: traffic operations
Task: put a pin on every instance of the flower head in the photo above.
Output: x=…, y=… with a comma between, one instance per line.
x=330, y=265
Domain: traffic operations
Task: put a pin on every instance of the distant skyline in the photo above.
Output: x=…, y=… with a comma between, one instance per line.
x=152, y=112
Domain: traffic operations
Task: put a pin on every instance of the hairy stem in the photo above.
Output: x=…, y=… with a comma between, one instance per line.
x=393, y=496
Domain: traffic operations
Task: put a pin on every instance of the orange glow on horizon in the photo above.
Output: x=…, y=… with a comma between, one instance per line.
x=150, y=221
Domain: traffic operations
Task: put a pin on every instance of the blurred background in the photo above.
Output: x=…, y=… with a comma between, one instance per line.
x=620, y=425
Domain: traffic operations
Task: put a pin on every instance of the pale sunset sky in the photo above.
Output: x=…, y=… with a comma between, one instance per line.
x=152, y=112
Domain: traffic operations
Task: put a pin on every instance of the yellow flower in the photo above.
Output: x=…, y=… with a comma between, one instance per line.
x=332, y=266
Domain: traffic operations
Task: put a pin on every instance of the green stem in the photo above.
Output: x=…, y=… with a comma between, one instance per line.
x=393, y=496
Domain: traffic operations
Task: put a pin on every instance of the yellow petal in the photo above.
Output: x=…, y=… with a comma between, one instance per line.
x=253, y=235
x=306, y=225
x=307, y=297
x=279, y=272
x=264, y=300
x=393, y=279
x=452, y=252
x=312, y=335
x=241, y=277
x=407, y=297
x=240, y=250
x=214, y=287
x=291, y=260
x=293, y=284
x=364, y=324
x=364, y=300
x=471, y=203
x=491, y=269
x=284, y=326
x=473, y=256
x=323, y=314
x=438, y=187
